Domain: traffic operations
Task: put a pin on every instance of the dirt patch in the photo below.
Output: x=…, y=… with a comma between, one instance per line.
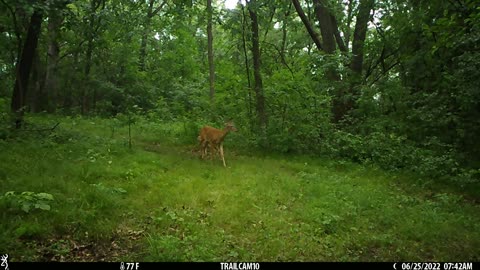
x=123, y=243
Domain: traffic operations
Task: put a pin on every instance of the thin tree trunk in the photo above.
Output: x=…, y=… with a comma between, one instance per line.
x=348, y=22
x=91, y=32
x=51, y=80
x=284, y=31
x=211, y=65
x=146, y=30
x=24, y=67
x=247, y=66
x=88, y=63
x=68, y=100
x=262, y=117
x=36, y=98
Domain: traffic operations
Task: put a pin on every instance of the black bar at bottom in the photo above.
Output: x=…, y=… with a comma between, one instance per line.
x=244, y=265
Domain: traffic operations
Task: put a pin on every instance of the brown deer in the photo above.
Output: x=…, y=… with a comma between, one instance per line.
x=213, y=138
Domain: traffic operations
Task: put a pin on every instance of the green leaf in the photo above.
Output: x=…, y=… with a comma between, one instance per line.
x=42, y=206
x=45, y=196
x=26, y=207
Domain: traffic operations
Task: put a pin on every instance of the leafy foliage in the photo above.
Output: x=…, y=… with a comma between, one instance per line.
x=27, y=200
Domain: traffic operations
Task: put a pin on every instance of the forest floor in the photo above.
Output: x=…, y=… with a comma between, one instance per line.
x=159, y=202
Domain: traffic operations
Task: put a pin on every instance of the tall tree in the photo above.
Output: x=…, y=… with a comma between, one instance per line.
x=348, y=101
x=211, y=66
x=93, y=26
x=245, y=58
x=24, y=66
x=252, y=6
x=55, y=19
x=343, y=100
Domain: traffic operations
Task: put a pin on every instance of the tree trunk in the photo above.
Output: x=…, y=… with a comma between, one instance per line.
x=51, y=80
x=24, y=67
x=211, y=66
x=349, y=98
x=359, y=35
x=37, y=99
x=324, y=18
x=85, y=86
x=247, y=66
x=146, y=30
x=262, y=117
x=68, y=99
x=91, y=32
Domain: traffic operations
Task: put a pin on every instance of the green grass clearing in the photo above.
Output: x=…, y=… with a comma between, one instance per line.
x=160, y=202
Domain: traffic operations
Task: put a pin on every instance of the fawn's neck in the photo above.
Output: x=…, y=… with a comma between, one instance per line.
x=224, y=133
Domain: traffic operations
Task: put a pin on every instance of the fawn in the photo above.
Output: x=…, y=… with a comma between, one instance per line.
x=213, y=138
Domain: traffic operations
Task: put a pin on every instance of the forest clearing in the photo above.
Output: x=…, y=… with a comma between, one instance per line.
x=239, y=131
x=160, y=202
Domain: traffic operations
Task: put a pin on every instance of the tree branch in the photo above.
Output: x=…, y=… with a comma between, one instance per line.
x=270, y=22
x=381, y=75
x=336, y=33
x=307, y=24
x=158, y=9
x=282, y=57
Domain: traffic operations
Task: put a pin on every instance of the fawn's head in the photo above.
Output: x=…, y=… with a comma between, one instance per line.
x=230, y=126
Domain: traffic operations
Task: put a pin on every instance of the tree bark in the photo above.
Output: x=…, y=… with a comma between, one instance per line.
x=326, y=28
x=247, y=65
x=261, y=114
x=88, y=63
x=36, y=97
x=24, y=67
x=69, y=83
x=359, y=35
x=146, y=30
x=53, y=55
x=94, y=25
x=211, y=65
x=326, y=19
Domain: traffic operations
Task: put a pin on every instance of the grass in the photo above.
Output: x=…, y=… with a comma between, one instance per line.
x=160, y=202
